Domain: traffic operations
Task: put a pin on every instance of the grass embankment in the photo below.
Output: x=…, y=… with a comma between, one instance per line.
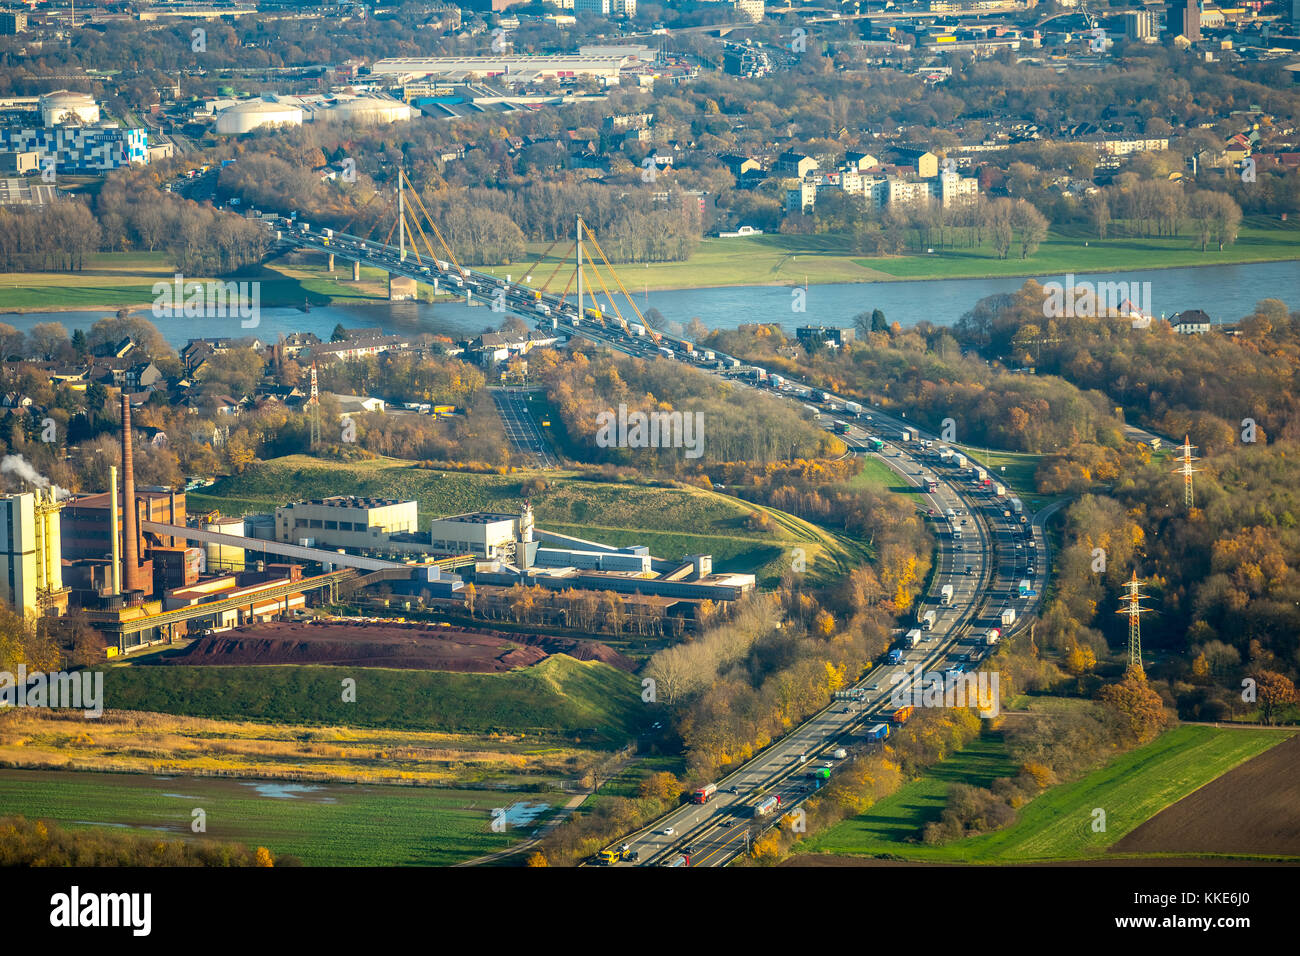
x=581, y=701
x=335, y=825
x=1057, y=825
x=128, y=742
x=672, y=522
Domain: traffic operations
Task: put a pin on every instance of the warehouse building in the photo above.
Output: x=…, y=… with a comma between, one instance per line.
x=344, y=521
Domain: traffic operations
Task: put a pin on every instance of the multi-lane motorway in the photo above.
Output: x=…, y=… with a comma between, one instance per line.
x=984, y=569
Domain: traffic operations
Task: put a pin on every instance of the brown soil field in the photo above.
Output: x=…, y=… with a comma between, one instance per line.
x=390, y=644
x=1252, y=809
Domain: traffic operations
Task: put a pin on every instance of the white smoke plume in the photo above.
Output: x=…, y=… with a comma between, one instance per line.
x=19, y=466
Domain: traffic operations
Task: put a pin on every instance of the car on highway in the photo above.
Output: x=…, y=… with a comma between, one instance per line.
x=726, y=824
x=668, y=831
x=874, y=687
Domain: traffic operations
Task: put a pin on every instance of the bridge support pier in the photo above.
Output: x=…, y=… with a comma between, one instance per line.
x=356, y=271
x=331, y=262
x=400, y=288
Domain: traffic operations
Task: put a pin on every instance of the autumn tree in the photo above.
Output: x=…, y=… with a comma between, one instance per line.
x=1276, y=691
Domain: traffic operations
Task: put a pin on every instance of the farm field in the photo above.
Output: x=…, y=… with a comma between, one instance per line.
x=321, y=824
x=672, y=522
x=1057, y=824
x=1249, y=810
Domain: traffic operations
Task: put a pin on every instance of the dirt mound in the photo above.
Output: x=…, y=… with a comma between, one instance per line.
x=1252, y=809
x=390, y=644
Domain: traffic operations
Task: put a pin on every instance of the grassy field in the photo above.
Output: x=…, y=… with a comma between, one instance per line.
x=1020, y=468
x=334, y=825
x=132, y=742
x=1057, y=825
x=672, y=522
x=561, y=698
x=117, y=279
x=793, y=260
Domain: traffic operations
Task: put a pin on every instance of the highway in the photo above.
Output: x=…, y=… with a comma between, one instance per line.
x=984, y=574
x=995, y=550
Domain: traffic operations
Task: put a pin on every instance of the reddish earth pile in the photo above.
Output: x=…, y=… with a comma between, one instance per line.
x=390, y=644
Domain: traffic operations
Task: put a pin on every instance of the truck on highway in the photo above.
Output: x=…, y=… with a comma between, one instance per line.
x=852, y=408
x=981, y=474
x=776, y=381
x=679, y=859
x=875, y=444
x=959, y=460
x=932, y=485
x=1017, y=506
x=999, y=489
x=614, y=855
x=992, y=636
x=839, y=753
x=945, y=593
x=665, y=351
x=906, y=435
x=900, y=715
x=912, y=637
x=926, y=620
x=1008, y=617
x=542, y=308
x=703, y=793
x=878, y=732
x=840, y=428
x=895, y=656
x=820, y=396
x=766, y=807
x=1025, y=587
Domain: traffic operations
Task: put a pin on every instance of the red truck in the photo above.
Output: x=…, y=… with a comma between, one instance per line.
x=702, y=795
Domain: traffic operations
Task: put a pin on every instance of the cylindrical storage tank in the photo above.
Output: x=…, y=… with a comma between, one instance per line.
x=224, y=557
x=368, y=111
x=251, y=114
x=65, y=107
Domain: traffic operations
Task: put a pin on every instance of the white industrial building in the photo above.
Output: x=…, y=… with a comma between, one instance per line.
x=486, y=535
x=64, y=107
x=31, y=572
x=246, y=116
x=344, y=521
x=515, y=69
x=235, y=117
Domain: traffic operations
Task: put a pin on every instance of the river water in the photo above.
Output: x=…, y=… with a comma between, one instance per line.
x=1226, y=293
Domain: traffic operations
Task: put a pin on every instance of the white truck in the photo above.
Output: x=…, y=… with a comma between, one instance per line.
x=959, y=460
x=636, y=329
x=912, y=637
x=981, y=474
x=945, y=594
x=906, y=435
x=1017, y=507
x=1008, y=617
x=852, y=408
x=999, y=489
x=991, y=637
x=927, y=621
x=839, y=753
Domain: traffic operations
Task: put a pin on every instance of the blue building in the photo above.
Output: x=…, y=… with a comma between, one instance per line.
x=79, y=149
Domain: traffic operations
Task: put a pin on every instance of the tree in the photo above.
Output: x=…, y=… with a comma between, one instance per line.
x=1275, y=692
x=1140, y=711
x=878, y=323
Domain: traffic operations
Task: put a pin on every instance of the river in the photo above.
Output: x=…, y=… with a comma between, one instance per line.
x=1226, y=293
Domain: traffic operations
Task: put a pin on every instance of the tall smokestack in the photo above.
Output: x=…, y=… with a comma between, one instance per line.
x=131, y=542
x=113, y=531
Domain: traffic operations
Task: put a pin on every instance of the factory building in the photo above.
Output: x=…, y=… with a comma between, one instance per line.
x=486, y=535
x=31, y=570
x=234, y=117
x=508, y=69
x=344, y=521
